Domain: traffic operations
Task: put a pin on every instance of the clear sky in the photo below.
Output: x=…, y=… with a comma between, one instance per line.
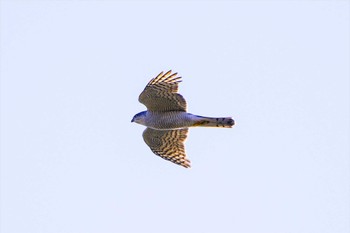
x=71, y=73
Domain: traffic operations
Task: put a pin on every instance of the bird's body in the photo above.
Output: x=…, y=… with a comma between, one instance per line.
x=167, y=120
x=178, y=120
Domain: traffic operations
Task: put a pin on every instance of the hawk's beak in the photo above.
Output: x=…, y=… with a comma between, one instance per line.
x=132, y=120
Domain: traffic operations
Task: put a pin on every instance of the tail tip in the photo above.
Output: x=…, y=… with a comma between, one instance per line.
x=231, y=122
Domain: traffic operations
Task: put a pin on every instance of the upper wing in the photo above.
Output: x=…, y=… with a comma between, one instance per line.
x=168, y=144
x=160, y=94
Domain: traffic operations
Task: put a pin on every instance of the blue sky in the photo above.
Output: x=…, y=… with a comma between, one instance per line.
x=71, y=73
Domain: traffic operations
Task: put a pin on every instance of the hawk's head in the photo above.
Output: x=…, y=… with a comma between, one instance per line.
x=139, y=118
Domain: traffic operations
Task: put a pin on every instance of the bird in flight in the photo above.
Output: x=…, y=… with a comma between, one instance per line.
x=167, y=119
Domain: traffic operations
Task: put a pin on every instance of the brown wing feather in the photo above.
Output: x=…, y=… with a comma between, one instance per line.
x=161, y=95
x=168, y=144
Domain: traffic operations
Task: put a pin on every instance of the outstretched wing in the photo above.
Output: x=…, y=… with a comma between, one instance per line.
x=161, y=95
x=168, y=144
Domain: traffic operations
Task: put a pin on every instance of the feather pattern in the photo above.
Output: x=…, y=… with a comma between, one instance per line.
x=168, y=144
x=161, y=95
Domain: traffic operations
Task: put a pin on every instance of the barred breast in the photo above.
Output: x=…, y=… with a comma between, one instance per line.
x=169, y=120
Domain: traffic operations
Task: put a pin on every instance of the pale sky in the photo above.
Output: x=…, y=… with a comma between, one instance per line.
x=71, y=73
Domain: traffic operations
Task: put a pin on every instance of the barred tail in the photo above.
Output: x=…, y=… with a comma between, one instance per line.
x=225, y=122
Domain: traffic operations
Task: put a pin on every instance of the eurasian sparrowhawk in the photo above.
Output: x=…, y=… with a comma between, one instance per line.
x=167, y=120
